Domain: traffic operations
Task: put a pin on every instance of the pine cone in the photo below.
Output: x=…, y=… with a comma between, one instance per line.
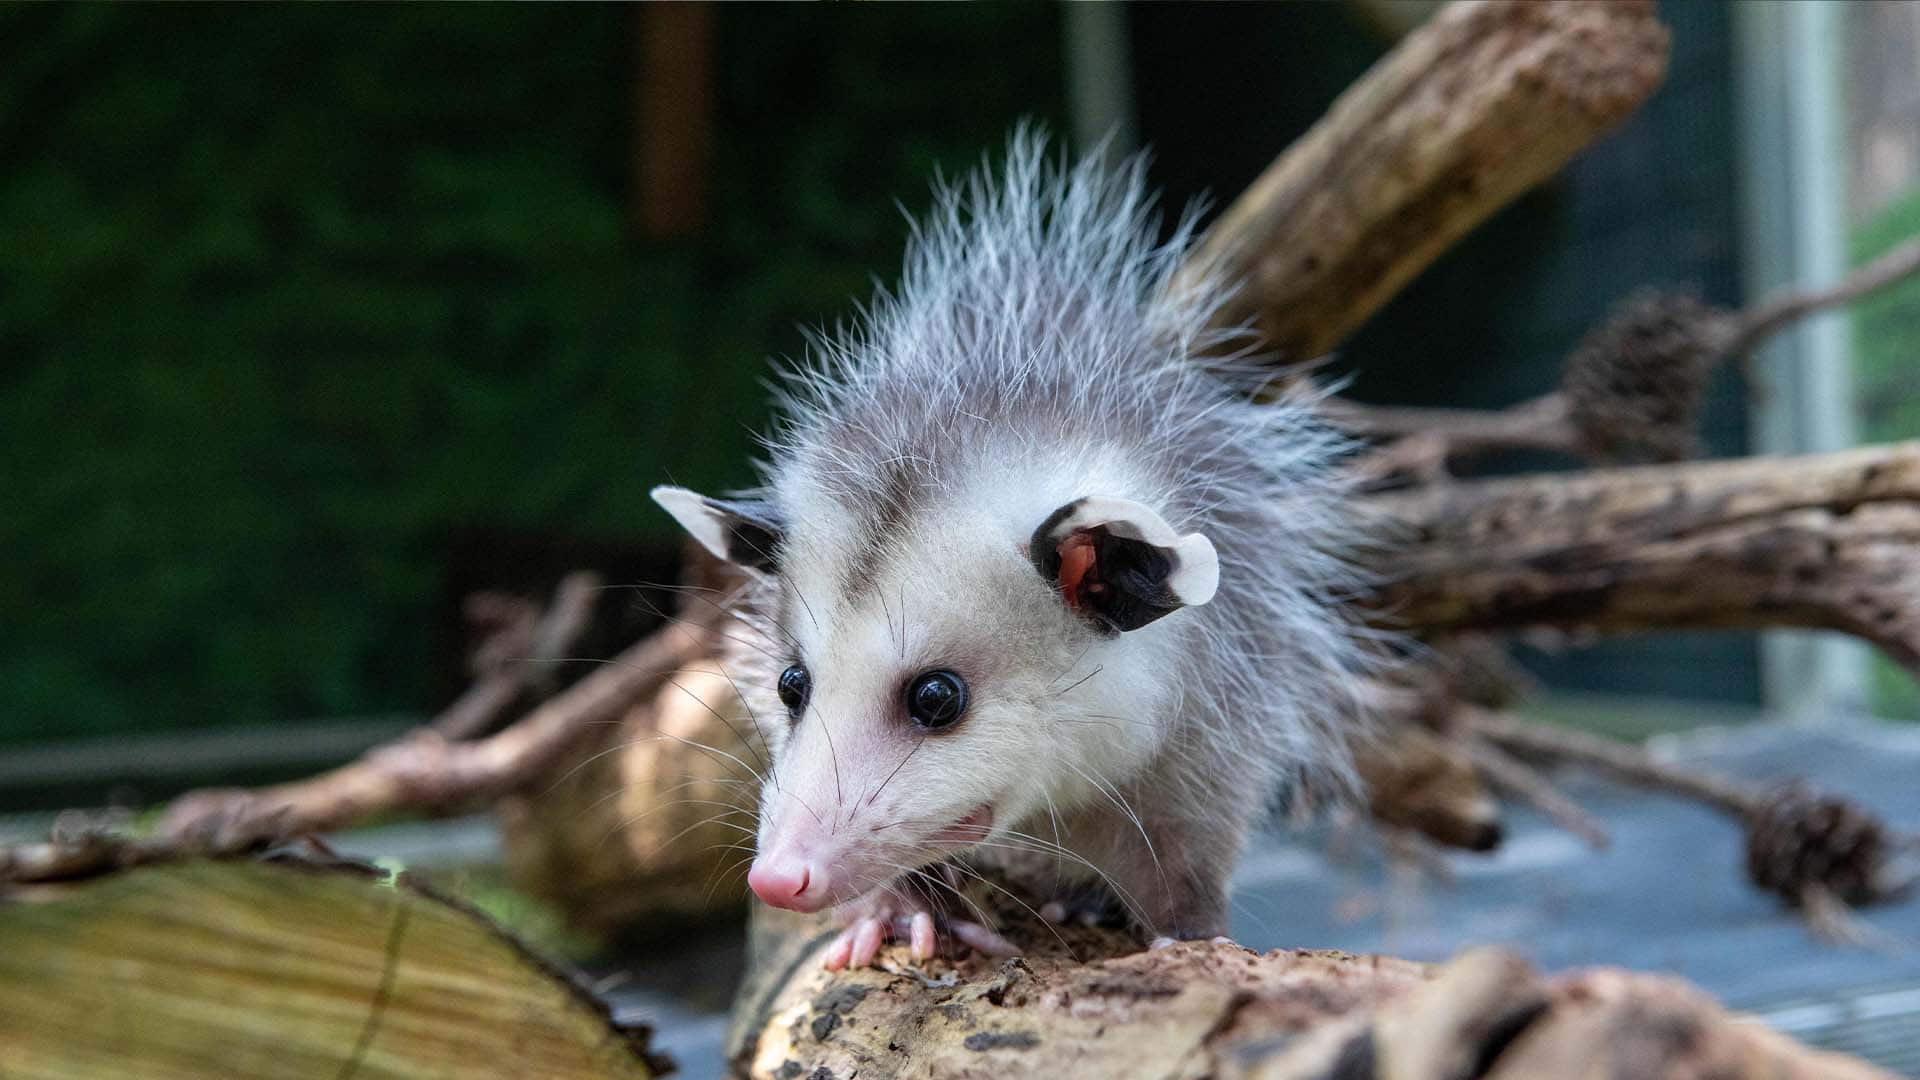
x=1634, y=384
x=1797, y=837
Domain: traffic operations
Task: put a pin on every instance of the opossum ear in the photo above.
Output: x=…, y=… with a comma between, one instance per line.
x=1121, y=563
x=745, y=533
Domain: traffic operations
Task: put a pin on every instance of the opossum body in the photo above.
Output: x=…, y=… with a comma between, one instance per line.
x=1037, y=585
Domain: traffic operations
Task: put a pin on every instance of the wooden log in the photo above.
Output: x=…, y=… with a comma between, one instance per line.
x=284, y=969
x=1086, y=1003
x=1827, y=542
x=1484, y=101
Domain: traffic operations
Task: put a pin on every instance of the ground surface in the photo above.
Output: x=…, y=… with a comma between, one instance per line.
x=1669, y=896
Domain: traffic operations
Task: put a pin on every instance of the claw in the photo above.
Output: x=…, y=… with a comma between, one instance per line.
x=872, y=923
x=921, y=936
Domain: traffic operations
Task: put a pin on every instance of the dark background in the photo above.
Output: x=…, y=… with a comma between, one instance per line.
x=315, y=319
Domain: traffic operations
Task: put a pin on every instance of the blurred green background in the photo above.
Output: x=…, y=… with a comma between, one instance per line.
x=306, y=310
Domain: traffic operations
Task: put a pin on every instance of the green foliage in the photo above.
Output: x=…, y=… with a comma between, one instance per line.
x=289, y=296
x=1886, y=357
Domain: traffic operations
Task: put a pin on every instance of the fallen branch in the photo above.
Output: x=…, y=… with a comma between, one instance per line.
x=420, y=773
x=1827, y=542
x=1481, y=103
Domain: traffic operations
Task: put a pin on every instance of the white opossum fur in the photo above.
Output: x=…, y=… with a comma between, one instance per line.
x=1035, y=366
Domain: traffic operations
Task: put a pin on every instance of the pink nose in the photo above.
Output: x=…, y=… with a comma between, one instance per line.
x=788, y=881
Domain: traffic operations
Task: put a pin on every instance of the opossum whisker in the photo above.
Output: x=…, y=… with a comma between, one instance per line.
x=681, y=620
x=766, y=769
x=1081, y=655
x=759, y=732
x=1082, y=681
x=802, y=597
x=618, y=790
x=721, y=875
x=698, y=825
x=1113, y=795
x=712, y=819
x=1009, y=894
x=711, y=751
x=979, y=914
x=839, y=797
x=917, y=744
x=1015, y=840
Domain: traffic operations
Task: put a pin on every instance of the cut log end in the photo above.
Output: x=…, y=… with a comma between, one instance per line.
x=285, y=969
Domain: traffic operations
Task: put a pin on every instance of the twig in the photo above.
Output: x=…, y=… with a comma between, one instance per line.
x=1419, y=444
x=1523, y=782
x=520, y=658
x=1622, y=761
x=1776, y=312
x=423, y=772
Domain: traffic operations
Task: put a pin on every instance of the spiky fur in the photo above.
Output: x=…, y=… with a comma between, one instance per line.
x=1034, y=352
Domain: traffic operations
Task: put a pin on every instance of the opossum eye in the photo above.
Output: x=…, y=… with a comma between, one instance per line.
x=793, y=686
x=936, y=699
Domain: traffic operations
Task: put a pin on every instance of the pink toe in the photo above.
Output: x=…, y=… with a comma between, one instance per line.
x=838, y=952
x=866, y=942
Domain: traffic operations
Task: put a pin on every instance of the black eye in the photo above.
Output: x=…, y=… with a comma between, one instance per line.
x=793, y=686
x=936, y=699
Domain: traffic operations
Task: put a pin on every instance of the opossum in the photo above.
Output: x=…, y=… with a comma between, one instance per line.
x=1042, y=581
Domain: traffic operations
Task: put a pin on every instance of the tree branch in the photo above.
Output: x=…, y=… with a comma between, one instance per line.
x=1481, y=103
x=1823, y=542
x=421, y=773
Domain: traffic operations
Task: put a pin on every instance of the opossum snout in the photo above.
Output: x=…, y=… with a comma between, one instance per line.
x=786, y=879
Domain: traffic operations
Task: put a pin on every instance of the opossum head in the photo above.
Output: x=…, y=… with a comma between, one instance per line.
x=943, y=674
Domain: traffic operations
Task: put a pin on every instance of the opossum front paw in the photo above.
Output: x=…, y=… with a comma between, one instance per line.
x=870, y=924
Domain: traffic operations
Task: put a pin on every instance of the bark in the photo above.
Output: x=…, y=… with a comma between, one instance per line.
x=1084, y=1003
x=1481, y=103
x=285, y=969
x=1826, y=542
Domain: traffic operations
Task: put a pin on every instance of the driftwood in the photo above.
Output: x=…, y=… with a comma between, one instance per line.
x=290, y=969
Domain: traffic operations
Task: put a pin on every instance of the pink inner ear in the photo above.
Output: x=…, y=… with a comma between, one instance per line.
x=1076, y=565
